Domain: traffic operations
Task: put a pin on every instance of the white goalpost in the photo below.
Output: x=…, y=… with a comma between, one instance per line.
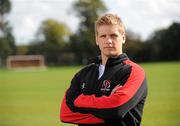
x=25, y=61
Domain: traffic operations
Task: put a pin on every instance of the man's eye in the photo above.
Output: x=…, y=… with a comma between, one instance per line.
x=114, y=35
x=103, y=36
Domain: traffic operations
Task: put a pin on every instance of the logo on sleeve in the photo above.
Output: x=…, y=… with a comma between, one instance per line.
x=106, y=86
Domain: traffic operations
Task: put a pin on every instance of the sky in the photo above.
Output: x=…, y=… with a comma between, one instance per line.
x=140, y=16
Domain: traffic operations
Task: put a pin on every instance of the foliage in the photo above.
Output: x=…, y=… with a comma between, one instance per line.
x=133, y=46
x=83, y=41
x=55, y=41
x=54, y=32
x=5, y=7
x=51, y=41
x=7, y=43
x=165, y=44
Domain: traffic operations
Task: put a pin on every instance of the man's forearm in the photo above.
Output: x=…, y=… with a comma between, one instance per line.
x=122, y=100
x=68, y=116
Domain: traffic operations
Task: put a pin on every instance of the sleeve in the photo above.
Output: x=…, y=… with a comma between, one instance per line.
x=69, y=113
x=120, y=102
x=68, y=116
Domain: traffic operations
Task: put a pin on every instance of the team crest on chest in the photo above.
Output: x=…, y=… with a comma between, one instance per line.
x=106, y=86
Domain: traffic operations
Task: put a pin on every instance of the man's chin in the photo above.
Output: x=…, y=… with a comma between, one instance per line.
x=112, y=55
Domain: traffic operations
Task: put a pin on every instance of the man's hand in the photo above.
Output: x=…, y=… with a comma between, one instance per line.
x=114, y=89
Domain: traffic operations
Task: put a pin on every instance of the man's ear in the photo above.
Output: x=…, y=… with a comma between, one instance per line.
x=124, y=37
x=97, y=41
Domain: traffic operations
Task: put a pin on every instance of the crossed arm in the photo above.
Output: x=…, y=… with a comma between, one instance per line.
x=69, y=113
x=88, y=109
x=118, y=103
x=68, y=116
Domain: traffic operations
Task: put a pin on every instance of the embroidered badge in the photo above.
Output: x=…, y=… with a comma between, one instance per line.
x=106, y=86
x=82, y=86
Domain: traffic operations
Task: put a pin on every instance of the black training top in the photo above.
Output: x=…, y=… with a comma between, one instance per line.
x=89, y=101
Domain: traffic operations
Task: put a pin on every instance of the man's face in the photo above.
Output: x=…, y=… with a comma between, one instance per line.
x=110, y=40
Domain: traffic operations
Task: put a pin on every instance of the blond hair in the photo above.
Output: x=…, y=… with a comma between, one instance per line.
x=109, y=19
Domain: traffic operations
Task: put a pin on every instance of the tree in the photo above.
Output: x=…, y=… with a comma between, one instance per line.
x=5, y=7
x=133, y=46
x=165, y=43
x=51, y=40
x=88, y=11
x=54, y=32
x=83, y=42
x=7, y=44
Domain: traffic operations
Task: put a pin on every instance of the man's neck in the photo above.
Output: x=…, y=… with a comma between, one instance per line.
x=105, y=58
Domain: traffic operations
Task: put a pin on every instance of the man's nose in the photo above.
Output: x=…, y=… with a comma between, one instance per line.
x=109, y=40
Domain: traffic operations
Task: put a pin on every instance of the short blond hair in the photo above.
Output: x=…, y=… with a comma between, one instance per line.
x=109, y=19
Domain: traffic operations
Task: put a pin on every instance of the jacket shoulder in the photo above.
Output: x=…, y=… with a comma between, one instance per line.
x=85, y=69
x=134, y=65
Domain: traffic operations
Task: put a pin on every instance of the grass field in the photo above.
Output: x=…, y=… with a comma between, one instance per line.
x=32, y=98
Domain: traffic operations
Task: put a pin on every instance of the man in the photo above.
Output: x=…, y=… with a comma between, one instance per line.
x=112, y=90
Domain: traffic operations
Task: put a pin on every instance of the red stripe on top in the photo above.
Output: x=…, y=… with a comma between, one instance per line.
x=121, y=95
x=66, y=115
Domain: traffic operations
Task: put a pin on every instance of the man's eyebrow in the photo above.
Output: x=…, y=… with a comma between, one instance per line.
x=114, y=34
x=102, y=35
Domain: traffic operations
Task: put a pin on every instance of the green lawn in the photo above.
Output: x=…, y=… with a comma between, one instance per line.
x=32, y=98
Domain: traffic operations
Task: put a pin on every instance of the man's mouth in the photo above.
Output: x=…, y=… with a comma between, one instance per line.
x=109, y=47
